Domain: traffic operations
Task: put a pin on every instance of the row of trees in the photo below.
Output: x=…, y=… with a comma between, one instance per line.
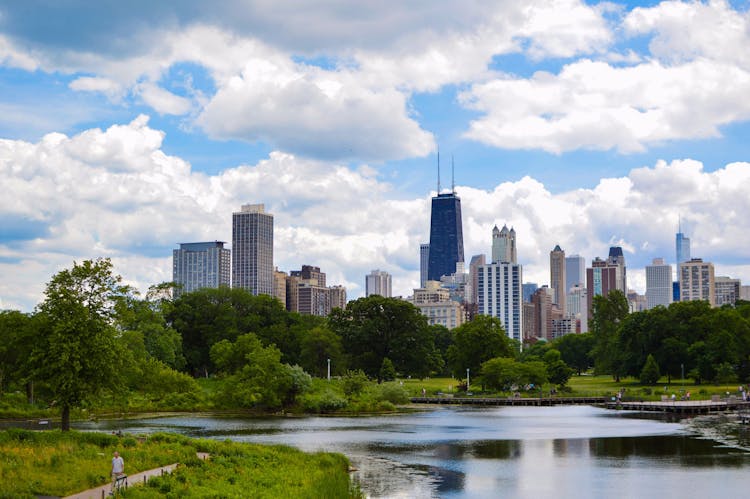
x=690, y=338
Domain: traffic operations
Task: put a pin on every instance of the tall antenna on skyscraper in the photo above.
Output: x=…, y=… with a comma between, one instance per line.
x=679, y=223
x=438, y=167
x=453, y=177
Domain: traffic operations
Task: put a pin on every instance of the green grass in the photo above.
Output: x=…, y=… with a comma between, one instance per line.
x=62, y=463
x=586, y=386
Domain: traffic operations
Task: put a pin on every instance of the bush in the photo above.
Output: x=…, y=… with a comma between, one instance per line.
x=322, y=402
x=391, y=392
x=353, y=382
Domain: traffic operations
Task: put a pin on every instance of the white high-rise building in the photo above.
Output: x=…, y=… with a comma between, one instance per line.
x=252, y=250
x=500, y=295
x=578, y=305
x=658, y=283
x=378, y=282
x=504, y=245
x=200, y=265
x=575, y=271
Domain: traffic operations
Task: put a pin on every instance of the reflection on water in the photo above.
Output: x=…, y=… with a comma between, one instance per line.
x=580, y=452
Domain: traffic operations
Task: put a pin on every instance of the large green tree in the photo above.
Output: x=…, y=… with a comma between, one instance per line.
x=16, y=339
x=607, y=314
x=75, y=351
x=575, y=350
x=375, y=328
x=478, y=341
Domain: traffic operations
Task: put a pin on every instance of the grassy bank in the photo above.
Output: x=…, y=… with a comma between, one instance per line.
x=585, y=386
x=58, y=464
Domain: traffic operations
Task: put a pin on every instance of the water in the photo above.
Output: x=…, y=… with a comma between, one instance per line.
x=520, y=452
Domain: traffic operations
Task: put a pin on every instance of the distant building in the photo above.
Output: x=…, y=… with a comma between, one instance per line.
x=279, y=285
x=602, y=277
x=424, y=261
x=617, y=258
x=446, y=236
x=543, y=313
x=557, y=278
x=682, y=247
x=697, y=281
x=575, y=271
x=726, y=291
x=378, y=282
x=434, y=302
x=636, y=302
x=307, y=294
x=504, y=245
x=745, y=293
x=528, y=289
x=499, y=295
x=252, y=250
x=200, y=265
x=476, y=262
x=578, y=307
x=658, y=283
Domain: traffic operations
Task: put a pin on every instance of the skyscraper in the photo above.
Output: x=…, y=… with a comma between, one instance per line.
x=252, y=248
x=200, y=265
x=618, y=259
x=424, y=262
x=575, y=271
x=658, y=284
x=504, y=245
x=602, y=277
x=446, y=236
x=476, y=262
x=557, y=277
x=378, y=282
x=682, y=246
x=500, y=295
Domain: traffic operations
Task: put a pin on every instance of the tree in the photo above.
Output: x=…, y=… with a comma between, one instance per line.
x=387, y=371
x=650, y=373
x=607, y=314
x=503, y=373
x=475, y=342
x=374, y=328
x=575, y=350
x=16, y=338
x=317, y=346
x=75, y=351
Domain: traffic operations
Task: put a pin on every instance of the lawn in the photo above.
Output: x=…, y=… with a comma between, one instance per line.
x=587, y=386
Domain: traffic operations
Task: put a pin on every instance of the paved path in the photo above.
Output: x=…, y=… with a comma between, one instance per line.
x=136, y=478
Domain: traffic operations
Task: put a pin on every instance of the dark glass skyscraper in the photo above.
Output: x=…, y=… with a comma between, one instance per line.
x=446, y=236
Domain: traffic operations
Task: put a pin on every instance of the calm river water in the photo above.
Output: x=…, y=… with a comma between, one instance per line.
x=534, y=452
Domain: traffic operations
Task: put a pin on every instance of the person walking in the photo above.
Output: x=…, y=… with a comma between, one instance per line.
x=118, y=469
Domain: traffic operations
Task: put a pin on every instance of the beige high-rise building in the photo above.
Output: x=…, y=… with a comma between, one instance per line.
x=504, y=245
x=697, y=281
x=557, y=278
x=279, y=285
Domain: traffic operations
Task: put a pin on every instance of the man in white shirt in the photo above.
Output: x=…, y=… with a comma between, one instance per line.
x=118, y=469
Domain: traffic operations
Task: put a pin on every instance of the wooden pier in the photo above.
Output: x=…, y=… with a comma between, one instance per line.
x=509, y=401
x=687, y=407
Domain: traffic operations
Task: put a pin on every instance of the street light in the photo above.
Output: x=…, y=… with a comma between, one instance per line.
x=467, y=380
x=329, y=369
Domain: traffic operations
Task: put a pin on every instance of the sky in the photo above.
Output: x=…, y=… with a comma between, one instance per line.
x=127, y=128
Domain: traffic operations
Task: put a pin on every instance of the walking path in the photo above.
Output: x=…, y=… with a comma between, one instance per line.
x=136, y=478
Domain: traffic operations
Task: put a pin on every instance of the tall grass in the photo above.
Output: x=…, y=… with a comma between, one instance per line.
x=55, y=463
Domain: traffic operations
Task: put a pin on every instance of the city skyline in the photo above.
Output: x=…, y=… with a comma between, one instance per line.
x=125, y=130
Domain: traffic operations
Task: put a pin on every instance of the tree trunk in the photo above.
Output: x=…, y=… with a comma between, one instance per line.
x=65, y=419
x=30, y=391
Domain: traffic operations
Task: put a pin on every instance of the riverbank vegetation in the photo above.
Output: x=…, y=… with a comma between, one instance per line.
x=55, y=463
x=95, y=348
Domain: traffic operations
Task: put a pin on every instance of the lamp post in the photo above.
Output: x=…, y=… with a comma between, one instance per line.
x=467, y=380
x=329, y=369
